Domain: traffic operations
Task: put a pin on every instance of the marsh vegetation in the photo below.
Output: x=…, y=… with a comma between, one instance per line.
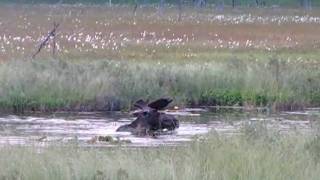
x=113, y=85
x=251, y=156
x=107, y=58
x=106, y=61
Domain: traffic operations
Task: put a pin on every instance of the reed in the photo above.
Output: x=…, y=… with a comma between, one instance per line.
x=54, y=84
x=262, y=156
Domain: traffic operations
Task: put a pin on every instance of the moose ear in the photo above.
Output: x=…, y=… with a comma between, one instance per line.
x=140, y=104
x=160, y=103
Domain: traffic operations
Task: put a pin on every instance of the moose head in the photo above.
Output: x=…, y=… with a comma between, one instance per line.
x=149, y=118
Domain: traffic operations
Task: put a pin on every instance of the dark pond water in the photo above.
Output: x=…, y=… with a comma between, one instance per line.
x=84, y=128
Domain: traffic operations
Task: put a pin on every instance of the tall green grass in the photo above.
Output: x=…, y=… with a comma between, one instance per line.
x=252, y=155
x=115, y=84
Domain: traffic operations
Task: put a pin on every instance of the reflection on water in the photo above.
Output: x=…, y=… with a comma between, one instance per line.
x=84, y=127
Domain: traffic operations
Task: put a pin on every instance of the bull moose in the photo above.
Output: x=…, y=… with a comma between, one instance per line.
x=149, y=119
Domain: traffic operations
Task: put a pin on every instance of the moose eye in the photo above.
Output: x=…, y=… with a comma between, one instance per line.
x=144, y=113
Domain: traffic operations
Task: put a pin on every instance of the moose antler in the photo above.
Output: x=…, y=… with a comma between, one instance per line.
x=160, y=103
x=141, y=104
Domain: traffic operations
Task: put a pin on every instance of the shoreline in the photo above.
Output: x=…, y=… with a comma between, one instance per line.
x=50, y=85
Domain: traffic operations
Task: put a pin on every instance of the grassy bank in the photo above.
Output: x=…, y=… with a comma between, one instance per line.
x=271, y=81
x=249, y=156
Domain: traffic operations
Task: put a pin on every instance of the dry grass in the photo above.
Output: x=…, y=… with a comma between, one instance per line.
x=104, y=32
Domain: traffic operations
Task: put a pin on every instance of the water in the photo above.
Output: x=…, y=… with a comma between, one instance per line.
x=85, y=128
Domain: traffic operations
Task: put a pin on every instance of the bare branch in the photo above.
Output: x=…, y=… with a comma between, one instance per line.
x=52, y=33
